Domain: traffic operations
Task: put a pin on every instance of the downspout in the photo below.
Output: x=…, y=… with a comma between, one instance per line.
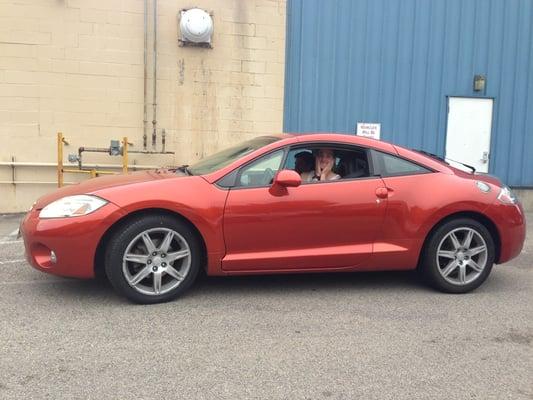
x=145, y=108
x=154, y=121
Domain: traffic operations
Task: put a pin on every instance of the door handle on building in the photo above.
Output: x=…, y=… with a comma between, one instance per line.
x=485, y=158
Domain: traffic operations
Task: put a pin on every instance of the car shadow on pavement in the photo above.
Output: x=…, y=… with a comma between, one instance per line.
x=338, y=282
x=291, y=284
x=288, y=284
x=282, y=285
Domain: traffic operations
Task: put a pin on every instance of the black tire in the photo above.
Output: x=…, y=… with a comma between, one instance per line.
x=124, y=236
x=430, y=269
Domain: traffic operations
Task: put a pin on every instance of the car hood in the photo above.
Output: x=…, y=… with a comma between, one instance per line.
x=479, y=176
x=104, y=182
x=488, y=178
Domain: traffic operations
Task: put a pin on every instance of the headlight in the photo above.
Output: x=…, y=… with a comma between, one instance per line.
x=72, y=206
x=506, y=196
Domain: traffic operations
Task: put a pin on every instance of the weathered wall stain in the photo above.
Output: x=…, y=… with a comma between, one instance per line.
x=88, y=82
x=181, y=71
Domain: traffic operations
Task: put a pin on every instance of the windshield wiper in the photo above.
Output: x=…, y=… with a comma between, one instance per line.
x=462, y=163
x=427, y=153
x=183, y=168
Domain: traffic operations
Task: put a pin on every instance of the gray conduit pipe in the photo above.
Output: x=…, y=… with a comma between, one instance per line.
x=145, y=111
x=154, y=121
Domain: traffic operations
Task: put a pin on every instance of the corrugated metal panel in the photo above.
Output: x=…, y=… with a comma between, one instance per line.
x=395, y=62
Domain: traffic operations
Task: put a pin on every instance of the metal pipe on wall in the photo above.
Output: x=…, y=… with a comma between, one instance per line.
x=34, y=183
x=145, y=109
x=154, y=120
x=54, y=165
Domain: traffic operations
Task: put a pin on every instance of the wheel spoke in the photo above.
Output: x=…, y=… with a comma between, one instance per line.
x=157, y=282
x=468, y=239
x=136, y=258
x=449, y=268
x=462, y=273
x=143, y=273
x=475, y=266
x=173, y=273
x=165, y=245
x=446, y=253
x=476, y=250
x=455, y=241
x=150, y=246
x=177, y=255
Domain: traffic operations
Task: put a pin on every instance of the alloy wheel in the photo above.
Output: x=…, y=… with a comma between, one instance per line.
x=156, y=261
x=462, y=256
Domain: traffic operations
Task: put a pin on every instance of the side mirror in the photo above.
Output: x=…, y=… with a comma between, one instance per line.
x=287, y=178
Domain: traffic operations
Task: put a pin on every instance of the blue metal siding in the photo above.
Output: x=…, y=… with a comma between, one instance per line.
x=395, y=62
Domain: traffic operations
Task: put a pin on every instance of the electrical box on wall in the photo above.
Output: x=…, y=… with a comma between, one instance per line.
x=196, y=27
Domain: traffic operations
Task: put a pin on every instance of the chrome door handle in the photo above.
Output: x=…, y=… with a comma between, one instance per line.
x=485, y=158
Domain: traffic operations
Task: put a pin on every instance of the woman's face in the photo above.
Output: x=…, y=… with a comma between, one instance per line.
x=325, y=157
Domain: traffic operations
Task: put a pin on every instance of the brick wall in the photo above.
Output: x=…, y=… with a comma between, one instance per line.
x=76, y=66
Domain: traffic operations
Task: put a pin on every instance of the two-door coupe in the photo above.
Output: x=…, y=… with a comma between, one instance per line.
x=247, y=210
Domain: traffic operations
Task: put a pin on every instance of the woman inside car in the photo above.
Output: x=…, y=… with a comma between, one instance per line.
x=324, y=163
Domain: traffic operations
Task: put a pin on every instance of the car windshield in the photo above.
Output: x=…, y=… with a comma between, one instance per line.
x=225, y=157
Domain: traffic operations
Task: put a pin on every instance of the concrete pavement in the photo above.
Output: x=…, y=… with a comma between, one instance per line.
x=327, y=336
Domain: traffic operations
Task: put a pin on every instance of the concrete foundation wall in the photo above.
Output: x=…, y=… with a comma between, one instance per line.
x=76, y=66
x=526, y=198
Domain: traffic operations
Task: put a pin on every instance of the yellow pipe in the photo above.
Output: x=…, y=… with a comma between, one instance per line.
x=92, y=172
x=124, y=155
x=78, y=171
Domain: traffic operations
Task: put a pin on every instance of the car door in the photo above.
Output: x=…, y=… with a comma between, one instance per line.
x=314, y=226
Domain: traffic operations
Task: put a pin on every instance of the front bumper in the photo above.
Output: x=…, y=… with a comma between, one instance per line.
x=511, y=224
x=73, y=241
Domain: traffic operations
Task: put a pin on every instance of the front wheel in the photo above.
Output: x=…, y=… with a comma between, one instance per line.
x=153, y=259
x=458, y=256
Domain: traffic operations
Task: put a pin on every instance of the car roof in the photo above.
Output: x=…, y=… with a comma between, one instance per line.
x=375, y=144
x=317, y=137
x=345, y=138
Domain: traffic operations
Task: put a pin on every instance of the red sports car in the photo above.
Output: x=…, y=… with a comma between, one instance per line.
x=279, y=204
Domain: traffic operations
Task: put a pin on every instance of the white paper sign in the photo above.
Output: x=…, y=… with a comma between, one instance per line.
x=369, y=129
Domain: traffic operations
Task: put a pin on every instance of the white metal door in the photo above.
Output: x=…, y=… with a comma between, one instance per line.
x=468, y=132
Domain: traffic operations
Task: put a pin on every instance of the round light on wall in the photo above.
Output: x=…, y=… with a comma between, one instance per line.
x=196, y=27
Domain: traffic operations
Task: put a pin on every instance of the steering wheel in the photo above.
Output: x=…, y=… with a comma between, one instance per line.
x=268, y=175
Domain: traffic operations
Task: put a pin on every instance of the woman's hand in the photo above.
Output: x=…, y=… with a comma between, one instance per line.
x=326, y=170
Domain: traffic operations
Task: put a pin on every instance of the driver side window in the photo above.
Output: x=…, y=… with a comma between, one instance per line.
x=260, y=172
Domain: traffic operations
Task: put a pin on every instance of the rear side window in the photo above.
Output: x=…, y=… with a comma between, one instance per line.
x=389, y=165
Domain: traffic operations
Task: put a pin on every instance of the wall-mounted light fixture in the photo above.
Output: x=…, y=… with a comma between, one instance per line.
x=196, y=28
x=479, y=83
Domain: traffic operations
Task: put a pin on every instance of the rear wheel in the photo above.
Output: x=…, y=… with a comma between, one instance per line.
x=459, y=256
x=153, y=259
